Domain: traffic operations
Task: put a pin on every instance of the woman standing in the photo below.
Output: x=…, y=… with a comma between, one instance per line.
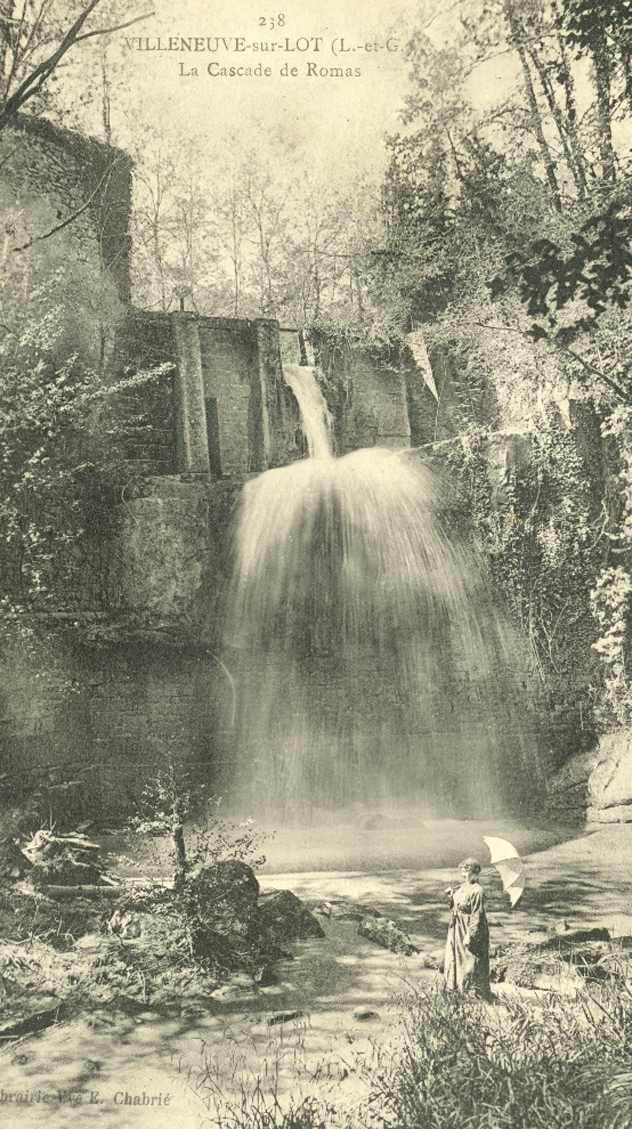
x=467, y=947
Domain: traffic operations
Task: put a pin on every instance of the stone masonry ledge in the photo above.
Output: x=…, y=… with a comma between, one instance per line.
x=107, y=629
x=170, y=486
x=157, y=636
x=183, y=486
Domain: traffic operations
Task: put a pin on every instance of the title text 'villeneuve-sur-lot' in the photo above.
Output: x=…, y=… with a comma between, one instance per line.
x=342, y=48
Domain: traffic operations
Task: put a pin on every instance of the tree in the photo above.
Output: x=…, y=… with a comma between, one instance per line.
x=35, y=36
x=508, y=238
x=463, y=189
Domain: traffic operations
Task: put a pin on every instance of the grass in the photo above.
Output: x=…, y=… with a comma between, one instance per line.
x=455, y=1063
x=459, y=1063
x=256, y=1102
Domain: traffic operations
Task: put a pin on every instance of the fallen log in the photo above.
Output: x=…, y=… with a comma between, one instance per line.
x=91, y=891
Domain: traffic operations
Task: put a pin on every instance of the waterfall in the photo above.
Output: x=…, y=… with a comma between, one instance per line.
x=372, y=666
x=314, y=412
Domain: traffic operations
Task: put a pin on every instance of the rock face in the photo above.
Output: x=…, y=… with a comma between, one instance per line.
x=610, y=782
x=565, y=964
x=567, y=789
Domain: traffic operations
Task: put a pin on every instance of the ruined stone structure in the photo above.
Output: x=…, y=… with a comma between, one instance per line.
x=67, y=203
x=133, y=678
x=224, y=413
x=136, y=678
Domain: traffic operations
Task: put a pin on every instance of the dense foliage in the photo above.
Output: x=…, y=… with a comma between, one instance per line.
x=459, y=1065
x=507, y=240
x=63, y=458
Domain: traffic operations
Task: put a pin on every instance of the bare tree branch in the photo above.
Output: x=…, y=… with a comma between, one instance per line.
x=34, y=81
x=119, y=27
x=69, y=219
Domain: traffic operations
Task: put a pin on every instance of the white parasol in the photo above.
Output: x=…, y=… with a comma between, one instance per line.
x=509, y=865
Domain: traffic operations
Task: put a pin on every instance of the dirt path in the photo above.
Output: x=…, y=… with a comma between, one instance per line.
x=107, y=1069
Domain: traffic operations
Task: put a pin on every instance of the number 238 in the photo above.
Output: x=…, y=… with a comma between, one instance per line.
x=272, y=21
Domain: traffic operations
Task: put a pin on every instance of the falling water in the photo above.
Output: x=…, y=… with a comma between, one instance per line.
x=372, y=667
x=314, y=413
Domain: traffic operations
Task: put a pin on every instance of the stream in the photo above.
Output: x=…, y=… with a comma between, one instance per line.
x=339, y=994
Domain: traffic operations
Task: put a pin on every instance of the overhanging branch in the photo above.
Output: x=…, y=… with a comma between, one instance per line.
x=34, y=81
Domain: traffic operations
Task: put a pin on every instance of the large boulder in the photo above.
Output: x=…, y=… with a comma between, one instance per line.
x=610, y=782
x=224, y=897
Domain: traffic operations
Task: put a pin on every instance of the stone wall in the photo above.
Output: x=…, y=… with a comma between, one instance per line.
x=233, y=392
x=221, y=408
x=109, y=713
x=173, y=549
x=142, y=418
x=67, y=202
x=380, y=398
x=368, y=397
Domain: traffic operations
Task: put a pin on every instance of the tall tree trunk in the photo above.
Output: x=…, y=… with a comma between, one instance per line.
x=576, y=169
x=236, y=267
x=627, y=71
x=601, y=62
x=566, y=75
x=155, y=231
x=536, y=118
x=6, y=16
x=106, y=106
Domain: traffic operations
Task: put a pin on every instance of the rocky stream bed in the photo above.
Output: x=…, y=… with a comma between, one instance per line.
x=110, y=1019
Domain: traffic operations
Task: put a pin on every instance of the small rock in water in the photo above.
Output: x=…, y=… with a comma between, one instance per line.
x=430, y=962
x=233, y=991
x=365, y=1013
x=344, y=910
x=375, y=821
x=382, y=931
x=226, y=992
x=283, y=1017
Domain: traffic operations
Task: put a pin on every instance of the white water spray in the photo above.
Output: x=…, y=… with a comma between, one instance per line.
x=373, y=668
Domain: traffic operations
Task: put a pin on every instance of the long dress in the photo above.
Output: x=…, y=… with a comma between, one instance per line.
x=467, y=946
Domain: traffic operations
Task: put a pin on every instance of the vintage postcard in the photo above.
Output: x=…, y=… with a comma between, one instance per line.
x=315, y=564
